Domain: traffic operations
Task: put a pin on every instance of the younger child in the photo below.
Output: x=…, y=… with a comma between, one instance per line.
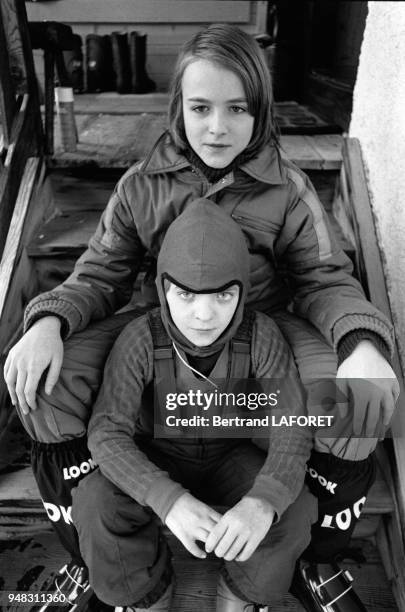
x=202, y=283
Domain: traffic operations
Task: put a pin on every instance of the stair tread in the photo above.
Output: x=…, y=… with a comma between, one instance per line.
x=66, y=234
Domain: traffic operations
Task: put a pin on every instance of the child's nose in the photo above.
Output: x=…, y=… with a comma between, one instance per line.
x=203, y=309
x=217, y=124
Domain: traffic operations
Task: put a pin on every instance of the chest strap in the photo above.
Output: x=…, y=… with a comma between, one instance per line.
x=239, y=350
x=163, y=352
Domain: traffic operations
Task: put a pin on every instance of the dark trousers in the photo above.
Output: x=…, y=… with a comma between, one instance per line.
x=121, y=540
x=59, y=464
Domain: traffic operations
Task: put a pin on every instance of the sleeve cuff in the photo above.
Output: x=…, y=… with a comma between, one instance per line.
x=349, y=342
x=273, y=492
x=56, y=307
x=365, y=322
x=162, y=495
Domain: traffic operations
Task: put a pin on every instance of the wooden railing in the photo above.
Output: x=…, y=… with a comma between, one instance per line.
x=19, y=107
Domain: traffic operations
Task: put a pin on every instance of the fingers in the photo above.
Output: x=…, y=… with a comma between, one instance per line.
x=248, y=550
x=53, y=374
x=19, y=390
x=226, y=542
x=373, y=416
x=235, y=549
x=193, y=548
x=31, y=386
x=215, y=536
x=359, y=405
x=10, y=376
x=214, y=515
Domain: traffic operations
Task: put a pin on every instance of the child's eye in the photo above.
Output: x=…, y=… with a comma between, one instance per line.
x=225, y=296
x=201, y=108
x=187, y=296
x=238, y=109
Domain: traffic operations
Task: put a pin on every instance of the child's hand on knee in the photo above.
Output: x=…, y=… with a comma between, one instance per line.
x=240, y=530
x=372, y=389
x=190, y=520
x=40, y=348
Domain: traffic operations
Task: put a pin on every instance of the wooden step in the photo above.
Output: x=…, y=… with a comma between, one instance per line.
x=117, y=141
x=21, y=507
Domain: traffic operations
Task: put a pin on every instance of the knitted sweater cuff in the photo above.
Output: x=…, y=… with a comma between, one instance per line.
x=67, y=313
x=349, y=342
x=356, y=322
x=162, y=495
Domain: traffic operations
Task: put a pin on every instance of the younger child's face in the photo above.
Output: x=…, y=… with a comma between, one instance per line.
x=217, y=123
x=202, y=317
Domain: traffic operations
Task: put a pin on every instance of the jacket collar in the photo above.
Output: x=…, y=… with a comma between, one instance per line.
x=266, y=167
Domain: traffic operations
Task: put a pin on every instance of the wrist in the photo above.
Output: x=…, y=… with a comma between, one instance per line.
x=49, y=321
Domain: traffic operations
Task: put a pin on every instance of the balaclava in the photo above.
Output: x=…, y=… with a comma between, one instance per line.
x=204, y=251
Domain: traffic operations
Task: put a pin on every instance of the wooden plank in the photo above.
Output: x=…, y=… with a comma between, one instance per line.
x=73, y=192
x=12, y=245
x=117, y=141
x=388, y=539
x=329, y=147
x=261, y=8
x=8, y=105
x=374, y=281
x=19, y=486
x=112, y=103
x=67, y=234
x=23, y=145
x=317, y=152
x=11, y=10
x=119, y=11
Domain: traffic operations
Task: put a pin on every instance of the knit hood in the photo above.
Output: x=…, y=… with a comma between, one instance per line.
x=204, y=251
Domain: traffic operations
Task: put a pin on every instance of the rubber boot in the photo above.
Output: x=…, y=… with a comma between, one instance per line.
x=121, y=62
x=74, y=64
x=98, y=65
x=140, y=82
x=227, y=601
x=109, y=73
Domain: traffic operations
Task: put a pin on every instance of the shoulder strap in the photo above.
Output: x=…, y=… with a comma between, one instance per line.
x=163, y=357
x=240, y=359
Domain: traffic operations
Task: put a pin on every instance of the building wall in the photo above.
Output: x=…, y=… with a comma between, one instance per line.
x=168, y=23
x=378, y=121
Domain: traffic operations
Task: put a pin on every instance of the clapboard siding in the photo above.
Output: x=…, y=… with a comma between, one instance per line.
x=146, y=11
x=168, y=23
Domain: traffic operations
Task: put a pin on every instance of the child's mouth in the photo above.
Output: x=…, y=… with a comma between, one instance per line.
x=217, y=146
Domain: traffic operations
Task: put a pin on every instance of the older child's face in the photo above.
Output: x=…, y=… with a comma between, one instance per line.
x=215, y=110
x=202, y=317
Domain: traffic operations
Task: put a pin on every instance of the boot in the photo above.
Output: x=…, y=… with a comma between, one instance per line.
x=109, y=73
x=229, y=602
x=74, y=64
x=325, y=587
x=66, y=591
x=99, y=69
x=161, y=605
x=140, y=83
x=121, y=62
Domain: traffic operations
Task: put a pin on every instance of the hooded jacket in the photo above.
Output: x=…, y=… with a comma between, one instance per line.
x=122, y=418
x=293, y=253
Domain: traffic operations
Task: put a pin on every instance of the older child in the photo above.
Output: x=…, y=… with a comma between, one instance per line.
x=202, y=282
x=222, y=145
